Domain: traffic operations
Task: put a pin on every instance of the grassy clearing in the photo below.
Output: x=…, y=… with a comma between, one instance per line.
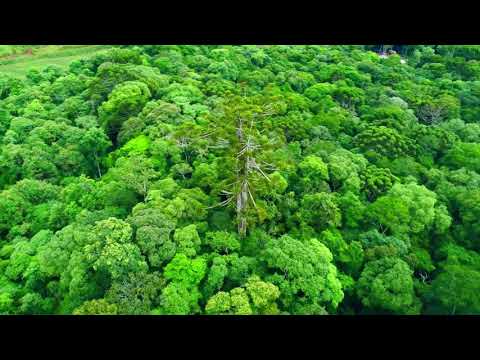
x=13, y=50
x=16, y=62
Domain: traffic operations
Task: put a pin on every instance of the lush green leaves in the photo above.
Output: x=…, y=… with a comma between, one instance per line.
x=243, y=180
x=387, y=285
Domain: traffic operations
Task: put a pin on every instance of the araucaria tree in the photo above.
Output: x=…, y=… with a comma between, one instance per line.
x=235, y=134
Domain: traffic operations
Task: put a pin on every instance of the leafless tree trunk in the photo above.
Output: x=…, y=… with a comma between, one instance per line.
x=431, y=114
x=247, y=168
x=99, y=171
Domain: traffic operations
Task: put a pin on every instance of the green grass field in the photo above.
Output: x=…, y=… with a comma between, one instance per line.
x=16, y=61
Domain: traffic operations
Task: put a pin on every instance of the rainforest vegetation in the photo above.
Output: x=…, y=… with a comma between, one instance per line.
x=263, y=180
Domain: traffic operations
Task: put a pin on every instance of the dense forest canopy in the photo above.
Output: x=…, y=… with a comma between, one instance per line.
x=243, y=180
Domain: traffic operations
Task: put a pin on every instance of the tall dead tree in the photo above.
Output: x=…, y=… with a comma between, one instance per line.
x=237, y=134
x=247, y=168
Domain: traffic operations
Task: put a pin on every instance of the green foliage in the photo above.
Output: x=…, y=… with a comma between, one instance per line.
x=314, y=173
x=384, y=141
x=347, y=256
x=222, y=241
x=457, y=290
x=125, y=100
x=111, y=249
x=387, y=285
x=163, y=179
x=303, y=272
x=406, y=208
x=187, y=239
x=344, y=168
x=136, y=146
x=377, y=181
x=135, y=294
x=181, y=295
x=320, y=210
x=257, y=297
x=185, y=271
x=465, y=155
x=96, y=307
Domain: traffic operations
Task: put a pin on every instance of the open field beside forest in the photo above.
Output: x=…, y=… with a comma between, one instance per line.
x=16, y=60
